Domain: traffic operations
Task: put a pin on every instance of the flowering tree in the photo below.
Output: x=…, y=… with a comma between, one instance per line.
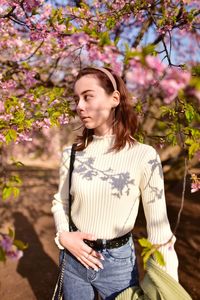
x=153, y=45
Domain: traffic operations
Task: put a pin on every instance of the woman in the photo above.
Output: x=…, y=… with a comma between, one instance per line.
x=111, y=171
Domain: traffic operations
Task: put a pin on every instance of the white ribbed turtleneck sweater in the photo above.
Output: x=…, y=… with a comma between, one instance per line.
x=106, y=189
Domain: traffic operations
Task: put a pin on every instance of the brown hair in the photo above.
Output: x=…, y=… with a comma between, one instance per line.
x=125, y=119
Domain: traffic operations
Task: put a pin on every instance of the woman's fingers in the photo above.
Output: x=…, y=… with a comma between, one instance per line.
x=92, y=262
x=91, y=251
x=74, y=242
x=83, y=263
x=91, y=258
x=97, y=254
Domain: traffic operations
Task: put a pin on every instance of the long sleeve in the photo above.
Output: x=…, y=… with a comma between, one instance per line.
x=153, y=199
x=60, y=201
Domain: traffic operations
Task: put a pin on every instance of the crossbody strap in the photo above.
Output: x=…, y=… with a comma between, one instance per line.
x=58, y=292
x=71, y=167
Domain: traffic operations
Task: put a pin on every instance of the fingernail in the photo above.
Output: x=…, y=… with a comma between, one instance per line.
x=100, y=266
x=96, y=269
x=102, y=258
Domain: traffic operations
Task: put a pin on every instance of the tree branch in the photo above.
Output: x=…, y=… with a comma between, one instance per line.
x=34, y=52
x=143, y=30
x=9, y=13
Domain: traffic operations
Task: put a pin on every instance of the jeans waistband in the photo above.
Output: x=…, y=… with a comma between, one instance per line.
x=101, y=244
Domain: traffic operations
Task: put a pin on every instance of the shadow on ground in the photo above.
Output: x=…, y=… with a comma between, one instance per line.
x=36, y=266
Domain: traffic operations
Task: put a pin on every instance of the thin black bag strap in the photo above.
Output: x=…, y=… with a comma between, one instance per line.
x=58, y=292
x=71, y=167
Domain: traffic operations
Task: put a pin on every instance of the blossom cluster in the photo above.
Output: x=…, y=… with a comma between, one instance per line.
x=8, y=249
x=154, y=77
x=195, y=185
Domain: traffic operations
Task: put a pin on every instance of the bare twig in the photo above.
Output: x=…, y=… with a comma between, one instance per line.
x=182, y=196
x=166, y=51
x=34, y=52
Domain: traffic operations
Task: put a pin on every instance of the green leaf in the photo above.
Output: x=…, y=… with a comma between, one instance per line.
x=15, y=179
x=20, y=245
x=139, y=107
x=104, y=38
x=146, y=257
x=11, y=187
x=85, y=6
x=196, y=70
x=130, y=53
x=15, y=191
x=11, y=233
x=149, y=49
x=171, y=137
x=26, y=65
x=144, y=243
x=10, y=135
x=189, y=113
x=165, y=110
x=110, y=23
x=140, y=137
x=193, y=149
x=2, y=255
x=193, y=146
x=159, y=257
x=7, y=191
x=144, y=251
x=18, y=164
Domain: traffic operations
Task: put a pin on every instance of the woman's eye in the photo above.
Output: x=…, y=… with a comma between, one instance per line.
x=76, y=100
x=87, y=97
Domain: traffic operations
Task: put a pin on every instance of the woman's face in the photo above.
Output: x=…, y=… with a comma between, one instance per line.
x=94, y=106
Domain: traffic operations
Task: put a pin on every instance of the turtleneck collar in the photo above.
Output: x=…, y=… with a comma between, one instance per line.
x=103, y=137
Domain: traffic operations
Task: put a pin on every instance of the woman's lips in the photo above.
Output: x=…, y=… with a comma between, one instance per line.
x=84, y=118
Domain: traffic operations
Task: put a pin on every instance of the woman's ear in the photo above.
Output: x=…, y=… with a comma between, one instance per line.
x=116, y=98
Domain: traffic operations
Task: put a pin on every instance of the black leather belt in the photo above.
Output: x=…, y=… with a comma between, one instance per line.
x=101, y=244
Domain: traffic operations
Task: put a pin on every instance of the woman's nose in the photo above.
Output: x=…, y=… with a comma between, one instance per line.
x=80, y=105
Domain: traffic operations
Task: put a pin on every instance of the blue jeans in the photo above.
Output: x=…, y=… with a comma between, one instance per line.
x=119, y=273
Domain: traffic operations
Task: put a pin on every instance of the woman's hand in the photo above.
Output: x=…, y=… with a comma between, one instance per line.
x=73, y=242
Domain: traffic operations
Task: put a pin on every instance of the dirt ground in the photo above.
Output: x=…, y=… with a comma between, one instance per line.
x=34, y=276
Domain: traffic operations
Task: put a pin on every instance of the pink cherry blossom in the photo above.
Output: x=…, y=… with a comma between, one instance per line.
x=2, y=108
x=6, y=242
x=2, y=138
x=79, y=39
x=46, y=123
x=54, y=102
x=23, y=137
x=10, y=84
x=29, y=78
x=6, y=117
x=63, y=120
x=31, y=4
x=198, y=155
x=11, y=251
x=14, y=254
x=140, y=76
x=195, y=185
x=173, y=82
x=155, y=64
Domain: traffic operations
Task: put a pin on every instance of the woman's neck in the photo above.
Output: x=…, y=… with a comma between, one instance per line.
x=108, y=130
